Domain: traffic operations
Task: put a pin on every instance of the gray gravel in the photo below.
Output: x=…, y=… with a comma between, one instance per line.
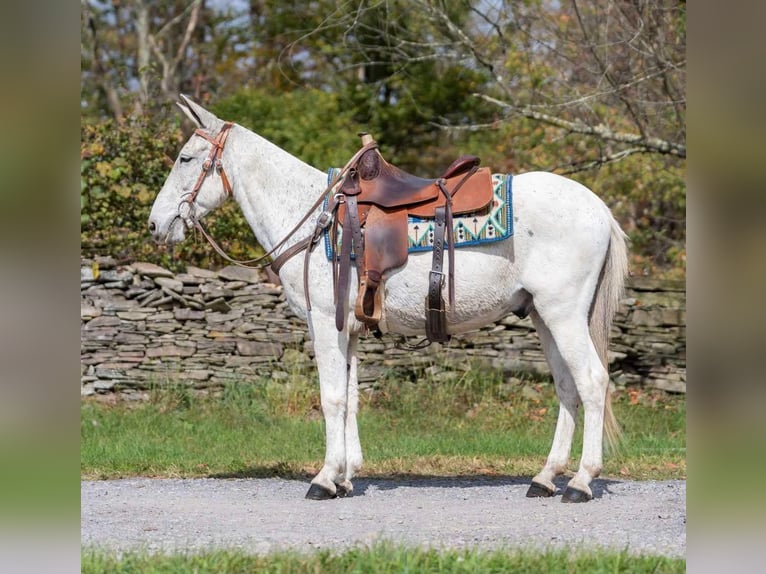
x=264, y=515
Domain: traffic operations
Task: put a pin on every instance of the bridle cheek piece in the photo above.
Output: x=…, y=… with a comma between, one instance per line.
x=213, y=159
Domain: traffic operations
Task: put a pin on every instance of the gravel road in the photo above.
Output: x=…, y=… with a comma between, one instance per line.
x=263, y=515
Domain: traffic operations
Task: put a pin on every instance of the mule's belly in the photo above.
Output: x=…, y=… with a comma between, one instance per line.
x=486, y=290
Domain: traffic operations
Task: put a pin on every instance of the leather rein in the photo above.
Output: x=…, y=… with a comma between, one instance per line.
x=324, y=220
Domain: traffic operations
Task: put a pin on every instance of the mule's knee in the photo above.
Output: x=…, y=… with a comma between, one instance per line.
x=333, y=404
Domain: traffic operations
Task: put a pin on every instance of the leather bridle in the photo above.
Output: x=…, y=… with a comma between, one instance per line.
x=213, y=159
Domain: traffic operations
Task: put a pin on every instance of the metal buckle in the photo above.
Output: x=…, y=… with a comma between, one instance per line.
x=441, y=276
x=325, y=218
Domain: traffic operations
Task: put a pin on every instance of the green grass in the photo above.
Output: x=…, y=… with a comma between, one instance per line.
x=475, y=424
x=385, y=558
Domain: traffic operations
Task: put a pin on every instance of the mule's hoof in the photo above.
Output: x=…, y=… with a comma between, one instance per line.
x=575, y=495
x=318, y=492
x=537, y=490
x=341, y=491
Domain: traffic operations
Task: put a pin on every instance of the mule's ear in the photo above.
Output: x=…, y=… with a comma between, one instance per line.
x=197, y=114
x=189, y=114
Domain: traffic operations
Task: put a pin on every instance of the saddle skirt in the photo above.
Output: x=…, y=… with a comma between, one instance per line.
x=494, y=223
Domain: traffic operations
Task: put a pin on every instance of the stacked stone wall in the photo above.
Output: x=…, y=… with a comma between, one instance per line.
x=143, y=326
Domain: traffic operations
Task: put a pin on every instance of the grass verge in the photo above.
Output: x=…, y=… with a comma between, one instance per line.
x=475, y=424
x=385, y=559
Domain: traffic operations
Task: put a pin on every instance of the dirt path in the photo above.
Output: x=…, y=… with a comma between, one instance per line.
x=262, y=515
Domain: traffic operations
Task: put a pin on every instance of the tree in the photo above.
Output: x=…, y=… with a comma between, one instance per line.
x=591, y=88
x=612, y=71
x=140, y=54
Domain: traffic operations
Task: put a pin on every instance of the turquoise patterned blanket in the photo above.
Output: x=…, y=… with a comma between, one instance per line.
x=495, y=224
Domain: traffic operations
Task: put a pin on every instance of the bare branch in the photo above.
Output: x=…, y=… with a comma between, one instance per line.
x=584, y=165
x=196, y=7
x=605, y=73
x=600, y=131
x=99, y=67
x=170, y=65
x=175, y=20
x=466, y=41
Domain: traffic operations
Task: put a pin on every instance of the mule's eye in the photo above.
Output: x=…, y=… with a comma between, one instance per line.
x=185, y=158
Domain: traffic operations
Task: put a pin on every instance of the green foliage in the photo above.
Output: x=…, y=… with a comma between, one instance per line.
x=385, y=558
x=310, y=74
x=123, y=166
x=646, y=193
x=312, y=124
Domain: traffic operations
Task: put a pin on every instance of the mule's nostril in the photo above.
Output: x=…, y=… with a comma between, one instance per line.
x=152, y=227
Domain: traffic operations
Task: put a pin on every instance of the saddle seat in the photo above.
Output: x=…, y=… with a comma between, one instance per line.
x=385, y=185
x=381, y=197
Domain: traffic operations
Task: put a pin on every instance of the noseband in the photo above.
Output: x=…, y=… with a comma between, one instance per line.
x=213, y=159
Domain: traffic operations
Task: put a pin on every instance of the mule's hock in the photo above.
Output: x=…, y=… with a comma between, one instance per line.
x=144, y=326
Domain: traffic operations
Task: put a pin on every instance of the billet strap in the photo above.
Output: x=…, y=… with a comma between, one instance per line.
x=436, y=316
x=451, y=232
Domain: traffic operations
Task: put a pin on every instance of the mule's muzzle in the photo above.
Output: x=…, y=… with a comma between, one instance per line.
x=174, y=233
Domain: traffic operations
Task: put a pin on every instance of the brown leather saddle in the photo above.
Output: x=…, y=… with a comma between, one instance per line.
x=374, y=201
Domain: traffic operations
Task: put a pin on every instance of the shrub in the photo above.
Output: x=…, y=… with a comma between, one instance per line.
x=123, y=167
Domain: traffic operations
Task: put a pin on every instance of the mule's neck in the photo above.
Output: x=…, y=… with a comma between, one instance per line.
x=273, y=188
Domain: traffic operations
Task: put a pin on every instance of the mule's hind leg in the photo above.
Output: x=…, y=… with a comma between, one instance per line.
x=573, y=340
x=569, y=401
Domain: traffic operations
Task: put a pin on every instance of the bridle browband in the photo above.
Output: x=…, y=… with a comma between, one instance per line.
x=308, y=243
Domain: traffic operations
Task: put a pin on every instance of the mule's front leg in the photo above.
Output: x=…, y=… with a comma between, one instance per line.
x=353, y=445
x=330, y=348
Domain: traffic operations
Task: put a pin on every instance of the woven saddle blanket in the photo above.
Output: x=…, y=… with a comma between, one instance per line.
x=495, y=224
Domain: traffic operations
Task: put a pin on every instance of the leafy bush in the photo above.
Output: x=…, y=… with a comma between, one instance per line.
x=123, y=167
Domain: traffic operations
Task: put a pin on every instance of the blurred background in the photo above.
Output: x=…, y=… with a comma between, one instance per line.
x=525, y=85
x=596, y=90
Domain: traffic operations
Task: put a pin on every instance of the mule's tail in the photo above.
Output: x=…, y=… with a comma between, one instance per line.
x=609, y=291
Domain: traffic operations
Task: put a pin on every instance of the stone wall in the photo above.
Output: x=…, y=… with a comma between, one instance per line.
x=143, y=326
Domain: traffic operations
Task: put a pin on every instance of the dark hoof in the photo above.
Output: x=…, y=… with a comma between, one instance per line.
x=575, y=495
x=317, y=492
x=340, y=491
x=537, y=490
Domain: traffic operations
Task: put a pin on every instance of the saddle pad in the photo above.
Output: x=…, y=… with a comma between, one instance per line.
x=495, y=224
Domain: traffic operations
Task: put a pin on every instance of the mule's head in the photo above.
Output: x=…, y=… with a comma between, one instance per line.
x=197, y=184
